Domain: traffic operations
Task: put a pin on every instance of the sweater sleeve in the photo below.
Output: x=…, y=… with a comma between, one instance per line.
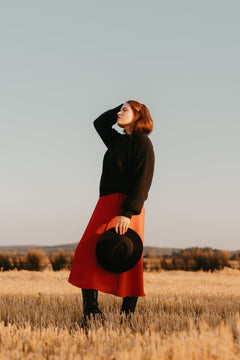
x=103, y=124
x=142, y=167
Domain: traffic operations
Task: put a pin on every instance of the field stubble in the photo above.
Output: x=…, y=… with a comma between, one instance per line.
x=184, y=316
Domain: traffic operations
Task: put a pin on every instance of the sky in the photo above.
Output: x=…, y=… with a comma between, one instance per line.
x=63, y=63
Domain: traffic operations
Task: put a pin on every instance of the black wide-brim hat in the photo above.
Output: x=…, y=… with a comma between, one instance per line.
x=118, y=253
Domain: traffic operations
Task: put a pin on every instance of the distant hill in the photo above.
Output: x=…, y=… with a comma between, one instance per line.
x=150, y=250
x=157, y=251
x=46, y=249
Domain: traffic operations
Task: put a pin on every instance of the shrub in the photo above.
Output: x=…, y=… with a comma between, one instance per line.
x=19, y=261
x=61, y=260
x=36, y=260
x=167, y=263
x=5, y=262
x=58, y=260
x=152, y=264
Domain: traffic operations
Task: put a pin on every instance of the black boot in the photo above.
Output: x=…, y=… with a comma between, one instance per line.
x=90, y=307
x=128, y=306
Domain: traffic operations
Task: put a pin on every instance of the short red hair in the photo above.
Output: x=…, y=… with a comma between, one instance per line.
x=143, y=122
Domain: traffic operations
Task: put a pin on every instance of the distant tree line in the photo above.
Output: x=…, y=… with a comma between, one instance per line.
x=191, y=259
x=36, y=260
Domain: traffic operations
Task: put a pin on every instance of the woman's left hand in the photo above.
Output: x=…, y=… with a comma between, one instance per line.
x=122, y=225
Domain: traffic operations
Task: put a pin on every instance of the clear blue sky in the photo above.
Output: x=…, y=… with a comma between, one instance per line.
x=65, y=62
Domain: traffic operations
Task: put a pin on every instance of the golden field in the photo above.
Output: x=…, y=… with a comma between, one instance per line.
x=184, y=316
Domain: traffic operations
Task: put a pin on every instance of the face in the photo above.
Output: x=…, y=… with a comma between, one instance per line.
x=125, y=117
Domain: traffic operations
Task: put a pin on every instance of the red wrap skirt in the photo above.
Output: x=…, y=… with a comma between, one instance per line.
x=86, y=273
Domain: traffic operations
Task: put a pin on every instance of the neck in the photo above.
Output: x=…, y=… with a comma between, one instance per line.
x=128, y=129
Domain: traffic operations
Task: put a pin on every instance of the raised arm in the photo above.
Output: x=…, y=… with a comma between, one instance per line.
x=103, y=124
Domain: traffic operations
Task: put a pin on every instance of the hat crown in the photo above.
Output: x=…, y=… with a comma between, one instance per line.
x=122, y=250
x=119, y=253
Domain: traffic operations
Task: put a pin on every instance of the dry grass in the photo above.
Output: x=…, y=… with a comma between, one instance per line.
x=184, y=316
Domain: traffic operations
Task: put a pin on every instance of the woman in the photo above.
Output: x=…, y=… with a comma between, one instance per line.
x=126, y=179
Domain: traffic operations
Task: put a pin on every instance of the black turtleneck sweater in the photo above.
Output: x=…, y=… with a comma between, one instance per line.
x=128, y=163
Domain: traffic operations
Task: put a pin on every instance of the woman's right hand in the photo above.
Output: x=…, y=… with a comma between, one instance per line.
x=122, y=225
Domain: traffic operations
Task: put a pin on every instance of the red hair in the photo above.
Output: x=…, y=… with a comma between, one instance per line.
x=143, y=122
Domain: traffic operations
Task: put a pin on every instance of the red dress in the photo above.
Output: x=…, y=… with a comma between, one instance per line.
x=86, y=273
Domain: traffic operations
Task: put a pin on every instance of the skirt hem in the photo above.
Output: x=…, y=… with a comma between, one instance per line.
x=104, y=290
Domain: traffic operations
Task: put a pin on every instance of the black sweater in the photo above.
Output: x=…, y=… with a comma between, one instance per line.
x=128, y=163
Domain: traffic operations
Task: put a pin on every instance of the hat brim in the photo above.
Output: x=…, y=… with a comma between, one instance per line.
x=104, y=247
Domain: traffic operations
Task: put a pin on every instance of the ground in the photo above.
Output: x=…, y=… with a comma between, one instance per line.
x=185, y=315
